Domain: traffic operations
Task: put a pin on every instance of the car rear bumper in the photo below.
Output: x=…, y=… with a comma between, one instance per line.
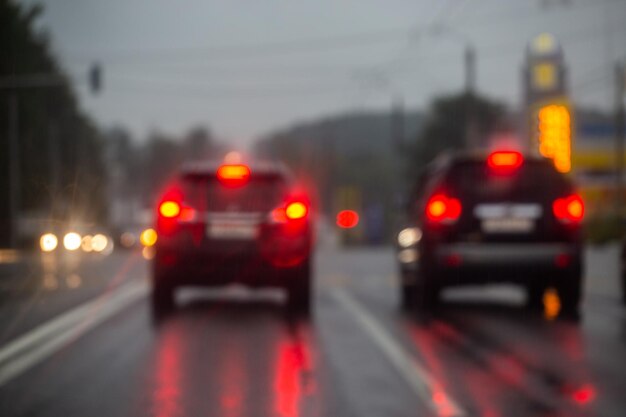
x=464, y=263
x=250, y=263
x=536, y=255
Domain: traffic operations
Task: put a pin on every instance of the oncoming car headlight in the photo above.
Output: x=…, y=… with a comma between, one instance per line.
x=148, y=237
x=409, y=236
x=48, y=242
x=72, y=241
x=99, y=243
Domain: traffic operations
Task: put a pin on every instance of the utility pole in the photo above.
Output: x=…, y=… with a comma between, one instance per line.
x=54, y=159
x=469, y=59
x=470, y=85
x=14, y=168
x=620, y=74
x=470, y=70
x=397, y=125
x=397, y=133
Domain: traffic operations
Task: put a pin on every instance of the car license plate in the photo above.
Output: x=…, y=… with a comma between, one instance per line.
x=507, y=225
x=243, y=231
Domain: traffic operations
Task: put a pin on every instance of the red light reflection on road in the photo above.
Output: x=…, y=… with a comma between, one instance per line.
x=287, y=384
x=426, y=345
x=167, y=394
x=584, y=394
x=232, y=381
x=429, y=342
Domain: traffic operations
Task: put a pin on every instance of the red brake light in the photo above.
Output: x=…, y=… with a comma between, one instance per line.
x=233, y=175
x=347, y=219
x=569, y=209
x=505, y=161
x=169, y=209
x=441, y=208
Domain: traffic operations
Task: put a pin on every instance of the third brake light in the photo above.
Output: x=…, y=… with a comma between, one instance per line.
x=504, y=162
x=234, y=175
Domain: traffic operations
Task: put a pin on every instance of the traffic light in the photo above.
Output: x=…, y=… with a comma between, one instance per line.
x=555, y=135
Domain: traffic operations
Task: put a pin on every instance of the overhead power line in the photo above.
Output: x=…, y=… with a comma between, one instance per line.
x=303, y=46
x=495, y=50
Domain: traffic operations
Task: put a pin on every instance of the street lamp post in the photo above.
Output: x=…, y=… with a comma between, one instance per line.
x=471, y=141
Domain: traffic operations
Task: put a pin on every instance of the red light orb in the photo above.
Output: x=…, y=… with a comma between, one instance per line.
x=347, y=219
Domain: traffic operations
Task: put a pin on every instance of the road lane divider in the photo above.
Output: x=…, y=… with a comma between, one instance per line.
x=28, y=350
x=421, y=382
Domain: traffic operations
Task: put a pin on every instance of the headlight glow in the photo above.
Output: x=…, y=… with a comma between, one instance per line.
x=48, y=242
x=148, y=237
x=409, y=236
x=72, y=241
x=408, y=256
x=99, y=242
x=86, y=243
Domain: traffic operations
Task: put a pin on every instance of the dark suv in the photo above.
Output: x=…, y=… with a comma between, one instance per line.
x=233, y=223
x=487, y=218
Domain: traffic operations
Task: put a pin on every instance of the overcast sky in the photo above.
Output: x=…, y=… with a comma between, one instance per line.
x=245, y=68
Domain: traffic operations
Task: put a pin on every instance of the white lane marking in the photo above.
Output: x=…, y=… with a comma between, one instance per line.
x=43, y=341
x=419, y=380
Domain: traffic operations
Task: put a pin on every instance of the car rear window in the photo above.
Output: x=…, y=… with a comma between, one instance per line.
x=532, y=180
x=260, y=193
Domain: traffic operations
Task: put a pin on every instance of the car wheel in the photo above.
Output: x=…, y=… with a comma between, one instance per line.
x=299, y=290
x=569, y=291
x=426, y=293
x=407, y=296
x=162, y=296
x=534, y=296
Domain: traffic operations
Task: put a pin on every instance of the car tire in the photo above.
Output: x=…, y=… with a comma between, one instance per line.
x=407, y=296
x=299, y=290
x=534, y=296
x=426, y=293
x=162, y=296
x=569, y=290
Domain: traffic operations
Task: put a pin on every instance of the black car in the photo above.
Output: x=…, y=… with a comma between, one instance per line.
x=491, y=218
x=233, y=223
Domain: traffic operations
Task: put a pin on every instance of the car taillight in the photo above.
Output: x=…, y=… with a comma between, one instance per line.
x=570, y=209
x=441, y=208
x=504, y=162
x=169, y=209
x=296, y=210
x=235, y=175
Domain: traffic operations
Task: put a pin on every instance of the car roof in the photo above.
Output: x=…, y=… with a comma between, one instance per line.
x=450, y=158
x=209, y=168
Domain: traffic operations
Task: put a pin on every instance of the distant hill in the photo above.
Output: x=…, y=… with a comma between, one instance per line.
x=352, y=132
x=350, y=161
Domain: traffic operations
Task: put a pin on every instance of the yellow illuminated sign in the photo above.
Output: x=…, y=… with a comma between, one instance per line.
x=555, y=137
x=544, y=76
x=544, y=43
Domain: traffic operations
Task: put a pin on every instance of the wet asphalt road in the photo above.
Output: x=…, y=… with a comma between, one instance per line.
x=77, y=339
